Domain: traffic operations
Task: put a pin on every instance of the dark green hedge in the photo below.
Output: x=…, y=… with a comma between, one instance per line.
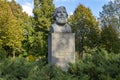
x=96, y=64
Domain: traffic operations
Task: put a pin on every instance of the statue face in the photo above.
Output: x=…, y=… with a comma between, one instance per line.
x=61, y=16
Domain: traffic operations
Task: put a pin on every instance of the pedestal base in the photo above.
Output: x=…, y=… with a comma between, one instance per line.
x=61, y=49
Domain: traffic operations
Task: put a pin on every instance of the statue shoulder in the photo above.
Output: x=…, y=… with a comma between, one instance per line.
x=68, y=28
x=52, y=28
x=67, y=25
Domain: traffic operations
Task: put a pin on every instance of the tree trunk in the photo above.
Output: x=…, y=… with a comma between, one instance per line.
x=13, y=54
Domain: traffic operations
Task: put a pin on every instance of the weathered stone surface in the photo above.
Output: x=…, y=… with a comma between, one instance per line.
x=61, y=49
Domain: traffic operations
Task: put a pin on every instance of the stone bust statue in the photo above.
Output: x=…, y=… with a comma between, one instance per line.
x=60, y=24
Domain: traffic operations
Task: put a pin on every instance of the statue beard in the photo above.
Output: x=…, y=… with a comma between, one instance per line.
x=61, y=20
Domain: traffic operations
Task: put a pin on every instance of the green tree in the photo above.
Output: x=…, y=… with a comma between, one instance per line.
x=110, y=40
x=11, y=33
x=27, y=23
x=86, y=28
x=21, y=16
x=110, y=16
x=43, y=10
x=110, y=23
x=29, y=37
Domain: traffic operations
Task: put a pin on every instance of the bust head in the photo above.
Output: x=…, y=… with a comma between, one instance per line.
x=60, y=24
x=60, y=15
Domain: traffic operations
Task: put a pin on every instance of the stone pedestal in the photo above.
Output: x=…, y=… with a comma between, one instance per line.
x=61, y=49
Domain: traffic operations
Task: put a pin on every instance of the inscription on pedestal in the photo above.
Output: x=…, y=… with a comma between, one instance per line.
x=61, y=49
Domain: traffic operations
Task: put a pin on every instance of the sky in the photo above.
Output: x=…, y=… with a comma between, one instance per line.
x=71, y=5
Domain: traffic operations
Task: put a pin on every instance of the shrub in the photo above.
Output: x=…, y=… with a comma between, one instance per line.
x=97, y=64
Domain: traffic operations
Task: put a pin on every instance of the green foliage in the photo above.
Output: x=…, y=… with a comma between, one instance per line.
x=37, y=45
x=110, y=40
x=29, y=37
x=20, y=69
x=86, y=28
x=27, y=24
x=97, y=64
x=16, y=69
x=110, y=23
x=48, y=72
x=3, y=54
x=11, y=33
x=110, y=16
x=43, y=14
x=14, y=24
x=43, y=10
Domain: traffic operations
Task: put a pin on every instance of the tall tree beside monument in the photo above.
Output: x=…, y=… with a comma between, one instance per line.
x=11, y=31
x=86, y=28
x=110, y=16
x=61, y=49
x=26, y=24
x=110, y=24
x=43, y=10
